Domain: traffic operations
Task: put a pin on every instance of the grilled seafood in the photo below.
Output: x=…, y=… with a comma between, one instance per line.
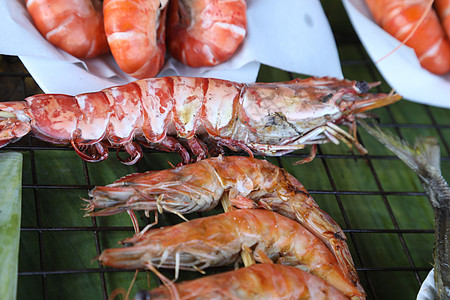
x=218, y=240
x=267, y=118
x=399, y=18
x=205, y=32
x=260, y=281
x=76, y=26
x=247, y=182
x=136, y=33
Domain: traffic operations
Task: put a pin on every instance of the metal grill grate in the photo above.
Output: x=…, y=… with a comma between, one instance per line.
x=375, y=199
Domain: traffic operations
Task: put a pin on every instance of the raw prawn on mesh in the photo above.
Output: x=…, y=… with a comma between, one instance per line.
x=196, y=116
x=218, y=241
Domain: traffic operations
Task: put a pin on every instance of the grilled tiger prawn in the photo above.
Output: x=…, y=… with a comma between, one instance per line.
x=247, y=182
x=267, y=118
x=260, y=281
x=218, y=240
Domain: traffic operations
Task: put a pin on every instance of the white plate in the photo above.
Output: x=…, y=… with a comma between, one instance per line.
x=401, y=69
x=283, y=34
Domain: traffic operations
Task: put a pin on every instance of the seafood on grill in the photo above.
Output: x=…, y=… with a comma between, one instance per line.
x=205, y=32
x=260, y=281
x=246, y=182
x=181, y=113
x=418, y=25
x=424, y=159
x=136, y=35
x=218, y=240
x=75, y=26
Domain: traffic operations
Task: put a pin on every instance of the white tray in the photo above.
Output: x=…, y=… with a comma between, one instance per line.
x=401, y=69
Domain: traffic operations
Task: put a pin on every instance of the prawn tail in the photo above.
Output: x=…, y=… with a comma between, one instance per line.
x=14, y=123
x=423, y=158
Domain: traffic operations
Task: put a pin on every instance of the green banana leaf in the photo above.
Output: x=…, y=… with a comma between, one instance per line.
x=10, y=214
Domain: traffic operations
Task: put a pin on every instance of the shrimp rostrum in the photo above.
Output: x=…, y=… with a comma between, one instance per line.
x=246, y=182
x=195, y=115
x=218, y=240
x=260, y=281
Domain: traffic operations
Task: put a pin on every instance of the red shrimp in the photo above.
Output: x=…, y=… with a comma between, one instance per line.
x=399, y=18
x=443, y=9
x=75, y=26
x=246, y=182
x=181, y=113
x=218, y=240
x=136, y=32
x=260, y=281
x=205, y=32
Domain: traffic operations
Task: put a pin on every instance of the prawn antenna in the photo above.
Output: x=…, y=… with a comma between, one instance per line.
x=427, y=10
x=167, y=283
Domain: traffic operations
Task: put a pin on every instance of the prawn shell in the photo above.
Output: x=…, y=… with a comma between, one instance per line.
x=218, y=240
x=76, y=26
x=53, y=117
x=135, y=30
x=126, y=118
x=92, y=124
x=205, y=32
x=259, y=281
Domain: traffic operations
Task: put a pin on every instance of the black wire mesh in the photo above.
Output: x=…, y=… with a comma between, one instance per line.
x=333, y=194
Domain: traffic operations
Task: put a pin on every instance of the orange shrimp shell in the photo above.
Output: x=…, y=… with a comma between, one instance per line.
x=75, y=26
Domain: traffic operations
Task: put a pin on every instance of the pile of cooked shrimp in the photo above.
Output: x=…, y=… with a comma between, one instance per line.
x=269, y=218
x=199, y=32
x=421, y=25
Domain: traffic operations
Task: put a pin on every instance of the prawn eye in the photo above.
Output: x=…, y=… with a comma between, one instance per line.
x=142, y=295
x=326, y=98
x=128, y=245
x=362, y=87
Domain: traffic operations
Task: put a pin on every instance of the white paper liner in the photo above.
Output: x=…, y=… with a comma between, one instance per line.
x=293, y=35
x=427, y=289
x=401, y=69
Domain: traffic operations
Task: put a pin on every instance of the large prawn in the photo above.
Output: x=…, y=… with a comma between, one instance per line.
x=218, y=240
x=267, y=118
x=400, y=18
x=260, y=281
x=136, y=35
x=205, y=32
x=443, y=9
x=76, y=26
x=246, y=182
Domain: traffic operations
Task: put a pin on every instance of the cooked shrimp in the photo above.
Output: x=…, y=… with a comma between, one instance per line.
x=247, y=182
x=260, y=281
x=75, y=26
x=205, y=32
x=136, y=31
x=399, y=18
x=218, y=240
x=443, y=10
x=268, y=118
